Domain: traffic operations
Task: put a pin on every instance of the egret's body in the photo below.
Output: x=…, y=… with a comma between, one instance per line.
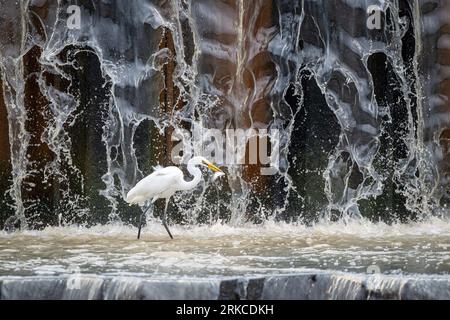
x=163, y=183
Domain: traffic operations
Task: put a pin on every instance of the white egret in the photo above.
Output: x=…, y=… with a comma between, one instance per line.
x=163, y=183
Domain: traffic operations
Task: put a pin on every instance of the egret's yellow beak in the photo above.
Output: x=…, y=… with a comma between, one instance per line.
x=212, y=167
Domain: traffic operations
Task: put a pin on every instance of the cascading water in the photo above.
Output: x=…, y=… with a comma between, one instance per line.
x=91, y=107
x=93, y=94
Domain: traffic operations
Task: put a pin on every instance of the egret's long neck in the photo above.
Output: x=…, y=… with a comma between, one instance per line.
x=194, y=171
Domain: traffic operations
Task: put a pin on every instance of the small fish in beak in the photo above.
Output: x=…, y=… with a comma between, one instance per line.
x=217, y=175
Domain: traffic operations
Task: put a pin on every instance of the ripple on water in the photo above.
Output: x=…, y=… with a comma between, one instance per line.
x=224, y=250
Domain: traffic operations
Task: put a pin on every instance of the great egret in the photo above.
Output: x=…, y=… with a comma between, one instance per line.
x=163, y=183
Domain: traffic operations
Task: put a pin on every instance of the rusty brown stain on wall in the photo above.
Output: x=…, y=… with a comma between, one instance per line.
x=258, y=67
x=4, y=134
x=444, y=89
x=168, y=97
x=243, y=72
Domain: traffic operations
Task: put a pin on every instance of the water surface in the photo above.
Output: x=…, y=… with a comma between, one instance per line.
x=222, y=250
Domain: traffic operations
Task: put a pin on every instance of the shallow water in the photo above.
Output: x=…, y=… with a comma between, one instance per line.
x=222, y=250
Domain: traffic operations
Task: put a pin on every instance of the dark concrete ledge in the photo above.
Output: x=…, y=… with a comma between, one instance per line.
x=320, y=285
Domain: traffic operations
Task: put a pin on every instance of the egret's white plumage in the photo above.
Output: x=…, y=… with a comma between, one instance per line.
x=160, y=184
x=164, y=182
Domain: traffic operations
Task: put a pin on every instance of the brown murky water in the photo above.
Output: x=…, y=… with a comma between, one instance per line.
x=221, y=250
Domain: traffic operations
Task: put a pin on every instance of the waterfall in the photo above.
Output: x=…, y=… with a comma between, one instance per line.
x=93, y=94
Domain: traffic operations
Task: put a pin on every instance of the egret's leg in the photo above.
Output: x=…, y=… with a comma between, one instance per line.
x=163, y=218
x=141, y=218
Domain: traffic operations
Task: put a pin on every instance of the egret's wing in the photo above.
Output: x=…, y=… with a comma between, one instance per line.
x=161, y=171
x=160, y=181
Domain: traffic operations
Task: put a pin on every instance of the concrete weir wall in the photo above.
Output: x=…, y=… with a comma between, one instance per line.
x=303, y=286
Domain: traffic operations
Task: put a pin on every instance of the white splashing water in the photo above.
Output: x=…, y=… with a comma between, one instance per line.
x=217, y=48
x=221, y=250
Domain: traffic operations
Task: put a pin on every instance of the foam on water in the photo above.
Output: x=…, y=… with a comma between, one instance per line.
x=358, y=228
x=222, y=250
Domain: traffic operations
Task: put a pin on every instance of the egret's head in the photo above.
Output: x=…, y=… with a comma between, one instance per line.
x=206, y=163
